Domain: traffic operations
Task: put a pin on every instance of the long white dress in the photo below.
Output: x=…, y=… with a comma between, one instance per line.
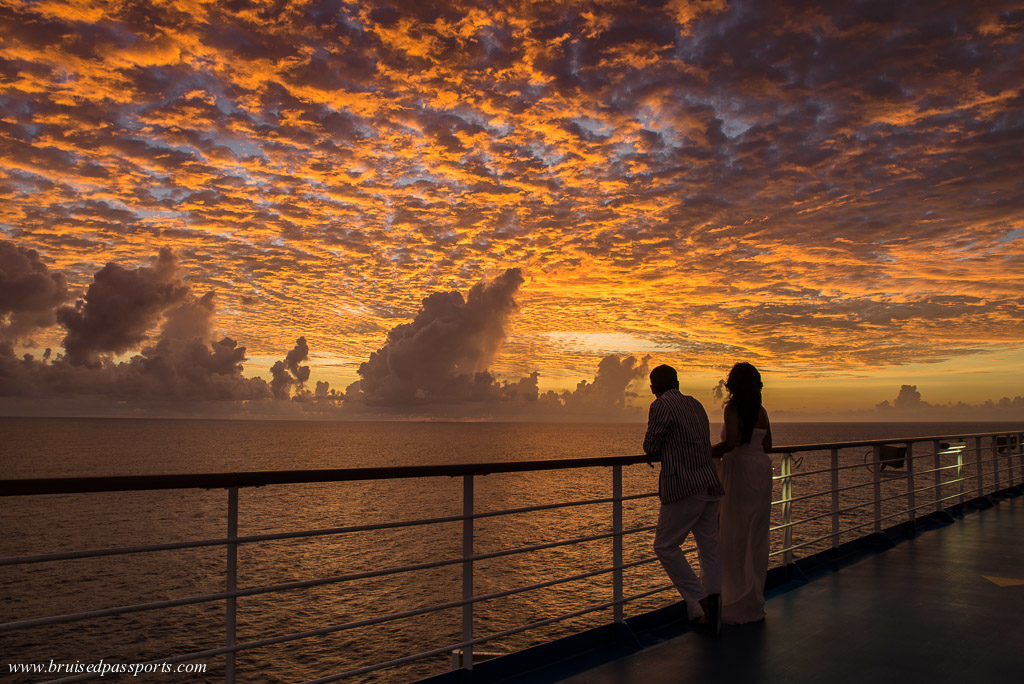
x=744, y=515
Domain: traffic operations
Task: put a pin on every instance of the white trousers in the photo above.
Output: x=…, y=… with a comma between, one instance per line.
x=697, y=513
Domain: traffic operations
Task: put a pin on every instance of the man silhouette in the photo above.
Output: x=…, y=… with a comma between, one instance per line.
x=679, y=434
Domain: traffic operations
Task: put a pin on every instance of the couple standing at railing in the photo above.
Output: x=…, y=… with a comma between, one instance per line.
x=725, y=504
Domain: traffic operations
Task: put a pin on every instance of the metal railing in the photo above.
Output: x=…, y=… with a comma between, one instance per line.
x=1000, y=453
x=973, y=461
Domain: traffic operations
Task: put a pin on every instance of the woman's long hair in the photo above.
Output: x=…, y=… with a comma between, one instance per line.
x=744, y=385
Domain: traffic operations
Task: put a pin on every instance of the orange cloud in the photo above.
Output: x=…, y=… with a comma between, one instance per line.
x=829, y=189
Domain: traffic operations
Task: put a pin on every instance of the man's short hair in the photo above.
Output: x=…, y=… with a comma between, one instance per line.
x=664, y=378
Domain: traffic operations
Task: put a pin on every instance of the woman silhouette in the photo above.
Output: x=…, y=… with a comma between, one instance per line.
x=746, y=474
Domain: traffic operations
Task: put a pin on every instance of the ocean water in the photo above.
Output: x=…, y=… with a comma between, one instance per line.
x=106, y=447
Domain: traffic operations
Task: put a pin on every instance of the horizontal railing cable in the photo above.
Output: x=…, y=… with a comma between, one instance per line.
x=793, y=547
x=277, y=536
x=301, y=584
x=829, y=491
x=826, y=514
x=927, y=505
x=940, y=469
x=823, y=515
x=805, y=473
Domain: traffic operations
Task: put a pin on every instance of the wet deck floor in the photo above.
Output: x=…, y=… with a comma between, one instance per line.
x=946, y=606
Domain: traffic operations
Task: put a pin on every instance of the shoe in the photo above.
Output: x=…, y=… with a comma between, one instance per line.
x=712, y=623
x=697, y=623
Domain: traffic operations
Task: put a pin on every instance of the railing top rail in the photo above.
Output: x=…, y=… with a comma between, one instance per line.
x=123, y=483
x=792, y=448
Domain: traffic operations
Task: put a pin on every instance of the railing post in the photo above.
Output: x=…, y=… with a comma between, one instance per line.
x=981, y=470
x=467, y=570
x=617, y=541
x=878, y=488
x=1011, y=446
x=231, y=584
x=936, y=448
x=787, y=507
x=835, y=497
x=960, y=470
x=911, y=499
x=995, y=464
x=1020, y=452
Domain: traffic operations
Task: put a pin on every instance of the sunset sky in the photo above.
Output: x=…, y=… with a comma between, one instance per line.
x=833, y=191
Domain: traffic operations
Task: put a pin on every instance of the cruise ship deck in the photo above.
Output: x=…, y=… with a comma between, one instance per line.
x=915, y=574
x=943, y=606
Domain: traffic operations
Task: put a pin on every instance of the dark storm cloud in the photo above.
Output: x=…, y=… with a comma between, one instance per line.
x=186, y=363
x=443, y=354
x=29, y=292
x=439, y=363
x=909, y=404
x=119, y=308
x=616, y=382
x=288, y=373
x=719, y=390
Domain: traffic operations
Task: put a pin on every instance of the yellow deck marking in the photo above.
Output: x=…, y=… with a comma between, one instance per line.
x=1005, y=581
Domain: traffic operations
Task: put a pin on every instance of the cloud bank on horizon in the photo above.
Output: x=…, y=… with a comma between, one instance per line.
x=436, y=365
x=810, y=186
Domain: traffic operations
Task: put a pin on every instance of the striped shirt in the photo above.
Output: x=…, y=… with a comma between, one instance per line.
x=678, y=432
